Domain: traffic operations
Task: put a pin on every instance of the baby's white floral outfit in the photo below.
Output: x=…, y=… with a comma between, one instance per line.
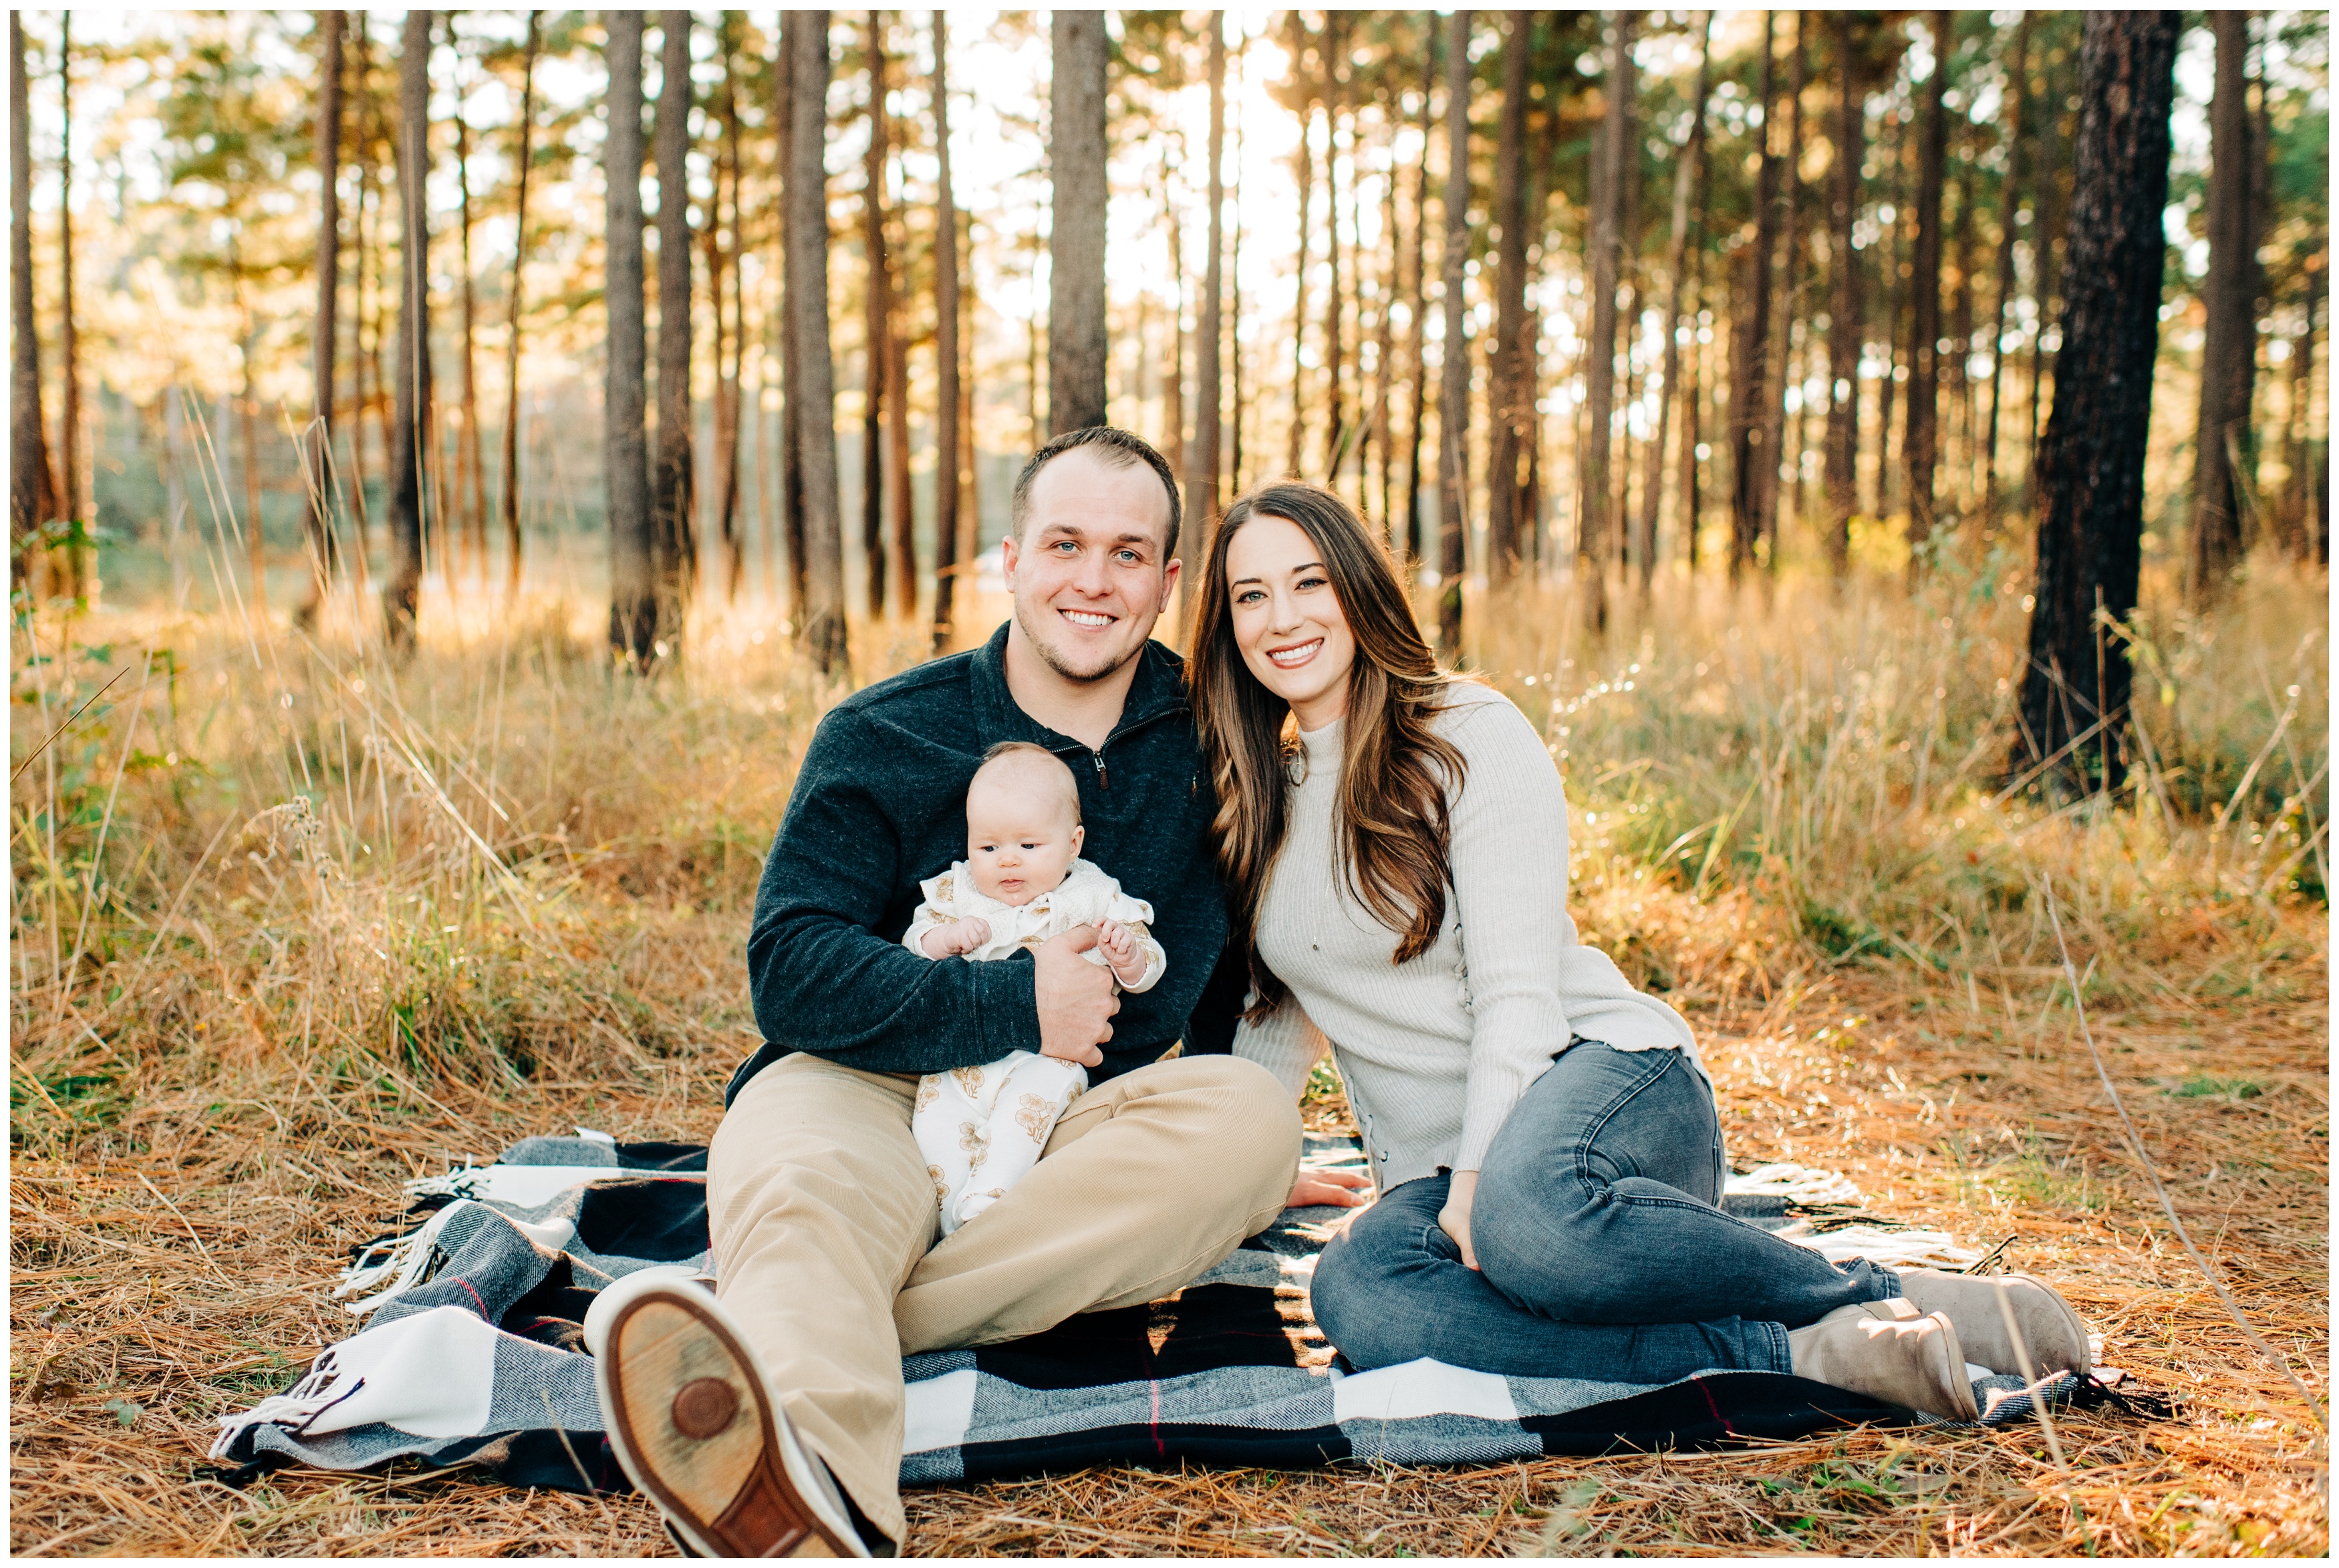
x=982, y=1129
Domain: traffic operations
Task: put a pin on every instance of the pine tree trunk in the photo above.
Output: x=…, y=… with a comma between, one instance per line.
x=1305, y=156
x=1202, y=464
x=1750, y=380
x=1920, y=446
x=2074, y=693
x=1417, y=345
x=949, y=458
x=1594, y=545
x=411, y=419
x=898, y=497
x=32, y=496
x=726, y=252
x=812, y=386
x=317, y=444
x=1889, y=263
x=877, y=319
x=1173, y=391
x=674, y=499
x=2229, y=343
x=69, y=454
x=510, y=498
x=2009, y=207
x=1077, y=345
x=471, y=492
x=1383, y=425
x=1846, y=330
x=1782, y=356
x=365, y=326
x=1454, y=393
x=2298, y=506
x=1669, y=398
x=633, y=548
x=1336, y=418
x=1506, y=413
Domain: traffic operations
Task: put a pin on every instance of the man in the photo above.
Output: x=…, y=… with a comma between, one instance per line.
x=768, y=1418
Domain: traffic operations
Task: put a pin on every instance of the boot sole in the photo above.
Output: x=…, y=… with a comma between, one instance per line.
x=688, y=1418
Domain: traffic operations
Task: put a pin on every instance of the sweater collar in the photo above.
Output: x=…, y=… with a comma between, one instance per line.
x=1157, y=691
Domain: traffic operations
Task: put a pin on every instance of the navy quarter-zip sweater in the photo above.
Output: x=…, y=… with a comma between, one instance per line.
x=881, y=802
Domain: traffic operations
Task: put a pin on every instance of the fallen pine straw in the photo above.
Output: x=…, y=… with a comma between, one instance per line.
x=110, y=1304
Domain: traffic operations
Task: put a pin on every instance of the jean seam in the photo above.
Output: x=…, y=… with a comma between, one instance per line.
x=1593, y=1188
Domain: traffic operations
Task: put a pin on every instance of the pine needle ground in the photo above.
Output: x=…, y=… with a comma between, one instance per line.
x=515, y=899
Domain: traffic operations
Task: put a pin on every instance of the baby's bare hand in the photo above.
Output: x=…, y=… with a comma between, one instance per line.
x=969, y=932
x=1119, y=942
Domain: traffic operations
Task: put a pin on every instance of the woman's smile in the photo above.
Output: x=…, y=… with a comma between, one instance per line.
x=1298, y=654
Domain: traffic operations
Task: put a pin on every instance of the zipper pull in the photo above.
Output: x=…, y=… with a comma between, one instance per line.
x=1104, y=780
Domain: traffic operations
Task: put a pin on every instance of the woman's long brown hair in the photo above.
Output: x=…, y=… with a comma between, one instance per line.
x=1394, y=770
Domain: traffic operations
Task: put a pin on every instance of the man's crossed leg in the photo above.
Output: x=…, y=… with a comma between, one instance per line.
x=821, y=1211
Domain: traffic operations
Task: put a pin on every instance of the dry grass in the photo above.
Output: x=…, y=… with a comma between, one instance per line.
x=514, y=898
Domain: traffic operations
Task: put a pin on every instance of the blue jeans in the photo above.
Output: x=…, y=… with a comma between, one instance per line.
x=1602, y=1253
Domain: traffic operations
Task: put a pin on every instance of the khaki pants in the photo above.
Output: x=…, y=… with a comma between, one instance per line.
x=822, y=1212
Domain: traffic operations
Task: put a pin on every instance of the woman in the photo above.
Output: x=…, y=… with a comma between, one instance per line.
x=1543, y=1136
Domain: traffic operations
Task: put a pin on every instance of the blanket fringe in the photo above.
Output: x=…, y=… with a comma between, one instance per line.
x=402, y=1261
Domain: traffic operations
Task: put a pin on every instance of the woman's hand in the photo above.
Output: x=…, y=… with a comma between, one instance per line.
x=1455, y=1217
x=1330, y=1189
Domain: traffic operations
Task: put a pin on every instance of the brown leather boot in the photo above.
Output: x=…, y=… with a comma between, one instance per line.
x=2053, y=1333
x=1890, y=1351
x=687, y=1410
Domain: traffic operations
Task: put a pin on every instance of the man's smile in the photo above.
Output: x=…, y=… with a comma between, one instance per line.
x=1087, y=620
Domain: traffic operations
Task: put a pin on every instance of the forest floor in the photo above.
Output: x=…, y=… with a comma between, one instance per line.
x=294, y=925
x=128, y=1340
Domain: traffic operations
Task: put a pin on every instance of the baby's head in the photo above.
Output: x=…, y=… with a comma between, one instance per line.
x=1022, y=822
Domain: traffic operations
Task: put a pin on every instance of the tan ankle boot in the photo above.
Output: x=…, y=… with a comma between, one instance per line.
x=1890, y=1351
x=2052, y=1333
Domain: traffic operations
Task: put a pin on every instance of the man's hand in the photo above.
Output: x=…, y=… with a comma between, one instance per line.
x=1330, y=1189
x=1455, y=1217
x=1122, y=952
x=963, y=934
x=1074, y=996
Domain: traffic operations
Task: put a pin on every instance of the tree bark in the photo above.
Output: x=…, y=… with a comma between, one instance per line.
x=1417, y=343
x=471, y=494
x=1335, y=418
x=633, y=551
x=2009, y=208
x=510, y=497
x=673, y=482
x=1692, y=156
x=1921, y=445
x=877, y=316
x=948, y=415
x=2075, y=690
x=1173, y=391
x=1453, y=401
x=365, y=324
x=897, y=442
x=1846, y=330
x=1782, y=357
x=410, y=419
x=1750, y=379
x=812, y=386
x=1594, y=546
x=31, y=494
x=1203, y=459
x=1076, y=346
x=69, y=458
x=2229, y=343
x=2298, y=506
x=317, y=448
x=1305, y=156
x=724, y=251
x=1510, y=414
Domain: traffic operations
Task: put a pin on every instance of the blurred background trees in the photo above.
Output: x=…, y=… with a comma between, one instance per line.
x=1551, y=297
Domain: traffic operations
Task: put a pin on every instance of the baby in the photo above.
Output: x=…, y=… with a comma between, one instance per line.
x=1022, y=882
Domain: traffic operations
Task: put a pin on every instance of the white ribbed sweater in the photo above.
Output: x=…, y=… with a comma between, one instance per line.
x=1436, y=1050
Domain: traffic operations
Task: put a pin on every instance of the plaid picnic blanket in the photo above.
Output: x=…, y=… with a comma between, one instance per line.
x=472, y=1350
